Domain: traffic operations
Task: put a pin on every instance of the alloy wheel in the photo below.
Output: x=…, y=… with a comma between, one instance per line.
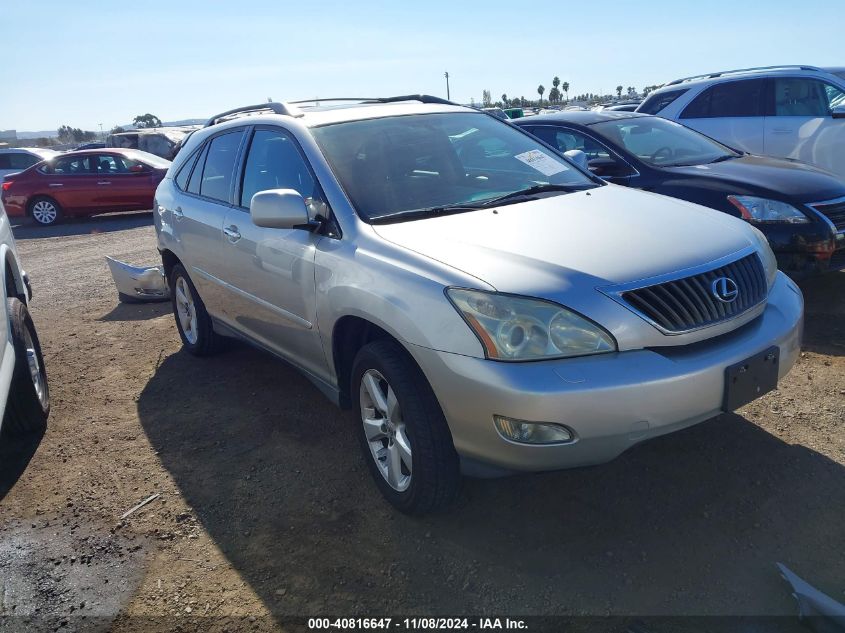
x=36, y=371
x=385, y=430
x=186, y=310
x=44, y=212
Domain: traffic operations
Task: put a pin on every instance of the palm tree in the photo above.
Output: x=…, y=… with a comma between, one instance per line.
x=540, y=90
x=565, y=88
x=505, y=99
x=619, y=91
x=555, y=84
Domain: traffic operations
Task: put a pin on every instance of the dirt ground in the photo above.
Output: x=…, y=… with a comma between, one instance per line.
x=266, y=511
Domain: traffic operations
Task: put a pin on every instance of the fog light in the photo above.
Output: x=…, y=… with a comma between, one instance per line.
x=531, y=432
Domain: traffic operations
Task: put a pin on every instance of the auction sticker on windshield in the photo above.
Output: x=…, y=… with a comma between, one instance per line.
x=543, y=163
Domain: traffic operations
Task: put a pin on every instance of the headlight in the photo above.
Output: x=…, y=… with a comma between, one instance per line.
x=770, y=262
x=764, y=210
x=521, y=328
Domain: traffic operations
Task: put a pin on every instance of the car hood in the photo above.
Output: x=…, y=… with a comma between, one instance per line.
x=565, y=243
x=755, y=175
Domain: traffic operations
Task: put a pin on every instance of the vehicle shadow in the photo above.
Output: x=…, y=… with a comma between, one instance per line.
x=692, y=522
x=105, y=223
x=137, y=311
x=16, y=451
x=824, y=298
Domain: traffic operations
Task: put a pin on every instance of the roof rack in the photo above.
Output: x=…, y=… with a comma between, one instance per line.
x=743, y=70
x=277, y=108
x=420, y=98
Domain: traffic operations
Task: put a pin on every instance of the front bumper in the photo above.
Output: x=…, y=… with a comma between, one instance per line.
x=611, y=401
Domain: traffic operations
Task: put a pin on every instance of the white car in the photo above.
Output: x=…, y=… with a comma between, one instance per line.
x=793, y=112
x=24, y=395
x=17, y=159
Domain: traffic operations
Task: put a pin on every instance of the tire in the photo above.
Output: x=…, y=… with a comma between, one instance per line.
x=45, y=211
x=192, y=319
x=415, y=425
x=28, y=405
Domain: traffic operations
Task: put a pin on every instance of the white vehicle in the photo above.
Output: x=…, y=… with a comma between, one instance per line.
x=24, y=395
x=17, y=159
x=783, y=111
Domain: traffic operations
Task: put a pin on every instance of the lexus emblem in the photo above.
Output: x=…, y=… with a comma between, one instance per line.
x=725, y=289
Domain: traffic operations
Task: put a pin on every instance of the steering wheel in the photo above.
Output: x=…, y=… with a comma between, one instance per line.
x=668, y=151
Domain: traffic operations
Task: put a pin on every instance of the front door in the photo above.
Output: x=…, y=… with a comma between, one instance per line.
x=271, y=271
x=801, y=125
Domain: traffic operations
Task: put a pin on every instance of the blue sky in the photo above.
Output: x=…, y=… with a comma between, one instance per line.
x=85, y=63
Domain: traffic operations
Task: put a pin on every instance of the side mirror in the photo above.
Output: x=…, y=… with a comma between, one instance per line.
x=838, y=112
x=578, y=157
x=279, y=209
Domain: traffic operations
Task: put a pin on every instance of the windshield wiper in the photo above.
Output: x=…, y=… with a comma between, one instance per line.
x=530, y=191
x=723, y=158
x=513, y=196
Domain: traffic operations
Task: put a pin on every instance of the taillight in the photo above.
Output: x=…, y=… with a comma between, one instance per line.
x=6, y=185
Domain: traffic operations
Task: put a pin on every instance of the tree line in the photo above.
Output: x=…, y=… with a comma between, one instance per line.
x=559, y=94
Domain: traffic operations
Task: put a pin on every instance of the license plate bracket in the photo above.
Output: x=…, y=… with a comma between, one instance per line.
x=751, y=378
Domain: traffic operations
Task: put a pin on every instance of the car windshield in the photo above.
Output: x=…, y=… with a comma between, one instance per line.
x=661, y=143
x=393, y=166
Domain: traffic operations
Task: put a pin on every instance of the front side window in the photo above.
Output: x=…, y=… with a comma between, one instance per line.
x=274, y=162
x=219, y=167
x=427, y=162
x=728, y=99
x=799, y=96
x=662, y=143
x=658, y=101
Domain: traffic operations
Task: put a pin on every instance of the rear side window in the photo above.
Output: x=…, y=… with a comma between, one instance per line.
x=196, y=176
x=22, y=161
x=69, y=165
x=185, y=173
x=730, y=99
x=658, y=101
x=219, y=166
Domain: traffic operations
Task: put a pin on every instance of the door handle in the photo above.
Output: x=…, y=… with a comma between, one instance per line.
x=232, y=233
x=56, y=184
x=104, y=182
x=178, y=213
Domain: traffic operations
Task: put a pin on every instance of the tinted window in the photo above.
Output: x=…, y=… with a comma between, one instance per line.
x=730, y=99
x=566, y=139
x=185, y=172
x=71, y=165
x=4, y=161
x=796, y=96
x=835, y=96
x=196, y=176
x=274, y=162
x=662, y=143
x=658, y=101
x=219, y=166
x=22, y=161
x=418, y=162
x=109, y=164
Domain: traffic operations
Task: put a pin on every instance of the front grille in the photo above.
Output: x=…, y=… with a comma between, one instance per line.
x=834, y=210
x=689, y=303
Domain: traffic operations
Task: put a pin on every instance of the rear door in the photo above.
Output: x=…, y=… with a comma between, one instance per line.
x=271, y=271
x=199, y=212
x=72, y=182
x=731, y=112
x=800, y=124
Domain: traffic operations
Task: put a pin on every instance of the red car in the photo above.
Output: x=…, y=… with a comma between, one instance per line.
x=84, y=183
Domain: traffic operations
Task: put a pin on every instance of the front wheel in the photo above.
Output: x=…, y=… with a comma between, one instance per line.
x=404, y=434
x=29, y=399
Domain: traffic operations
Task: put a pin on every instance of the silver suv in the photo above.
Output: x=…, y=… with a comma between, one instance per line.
x=483, y=304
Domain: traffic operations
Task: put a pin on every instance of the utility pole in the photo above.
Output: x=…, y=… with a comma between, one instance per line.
x=446, y=74
x=101, y=132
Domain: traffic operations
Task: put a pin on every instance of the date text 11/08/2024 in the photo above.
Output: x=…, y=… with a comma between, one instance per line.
x=412, y=624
